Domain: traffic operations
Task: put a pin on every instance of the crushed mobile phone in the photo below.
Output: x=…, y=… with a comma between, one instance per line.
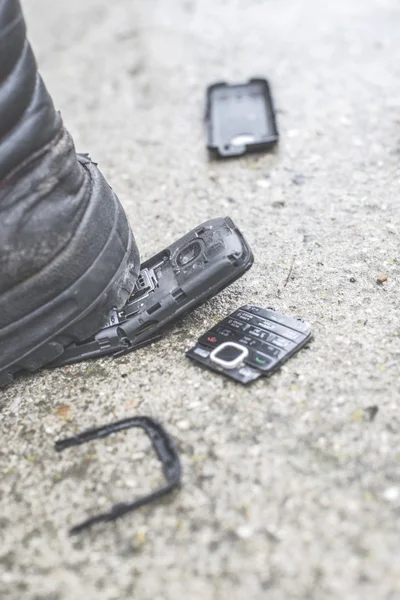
x=250, y=343
x=240, y=118
x=171, y=284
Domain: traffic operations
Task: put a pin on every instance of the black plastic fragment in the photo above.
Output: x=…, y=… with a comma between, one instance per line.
x=166, y=453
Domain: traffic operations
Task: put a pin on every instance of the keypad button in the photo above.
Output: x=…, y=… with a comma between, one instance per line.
x=247, y=374
x=279, y=329
x=271, y=351
x=281, y=342
x=225, y=332
x=244, y=316
x=252, y=309
x=268, y=320
x=229, y=355
x=237, y=325
x=258, y=333
x=260, y=361
x=212, y=339
x=201, y=351
x=248, y=341
x=295, y=324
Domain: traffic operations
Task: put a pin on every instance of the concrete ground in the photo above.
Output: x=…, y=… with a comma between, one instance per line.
x=292, y=486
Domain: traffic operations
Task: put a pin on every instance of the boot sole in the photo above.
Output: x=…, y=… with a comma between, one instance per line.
x=87, y=324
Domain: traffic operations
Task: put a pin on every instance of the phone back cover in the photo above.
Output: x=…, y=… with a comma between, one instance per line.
x=240, y=118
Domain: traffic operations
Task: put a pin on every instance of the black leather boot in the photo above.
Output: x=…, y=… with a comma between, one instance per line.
x=67, y=254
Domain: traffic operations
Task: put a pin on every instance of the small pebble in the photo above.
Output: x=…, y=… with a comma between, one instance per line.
x=244, y=532
x=391, y=228
x=392, y=493
x=254, y=451
x=298, y=179
x=263, y=183
x=381, y=279
x=371, y=412
x=278, y=204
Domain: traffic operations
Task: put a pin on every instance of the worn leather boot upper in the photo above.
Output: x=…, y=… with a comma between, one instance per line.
x=43, y=187
x=67, y=254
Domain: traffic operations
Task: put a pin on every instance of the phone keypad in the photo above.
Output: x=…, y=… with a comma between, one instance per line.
x=268, y=339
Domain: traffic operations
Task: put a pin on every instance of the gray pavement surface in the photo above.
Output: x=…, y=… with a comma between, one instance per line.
x=290, y=491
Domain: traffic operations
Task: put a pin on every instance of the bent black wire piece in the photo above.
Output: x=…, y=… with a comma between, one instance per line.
x=166, y=453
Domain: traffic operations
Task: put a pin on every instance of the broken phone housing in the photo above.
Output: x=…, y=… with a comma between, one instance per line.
x=240, y=118
x=171, y=284
x=250, y=343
